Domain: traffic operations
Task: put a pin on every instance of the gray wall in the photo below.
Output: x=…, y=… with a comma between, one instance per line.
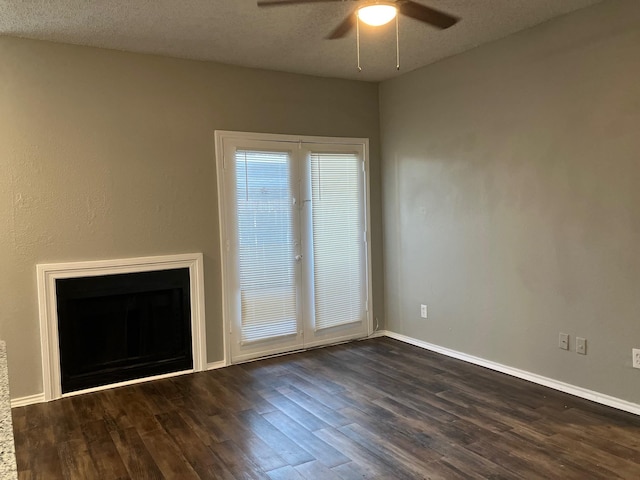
x=511, y=205
x=106, y=154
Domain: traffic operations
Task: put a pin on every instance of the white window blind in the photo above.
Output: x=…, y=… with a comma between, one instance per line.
x=265, y=245
x=338, y=239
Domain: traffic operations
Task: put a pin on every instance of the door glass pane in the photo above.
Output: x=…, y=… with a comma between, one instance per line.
x=338, y=241
x=266, y=247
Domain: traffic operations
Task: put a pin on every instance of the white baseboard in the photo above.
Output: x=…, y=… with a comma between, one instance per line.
x=39, y=397
x=28, y=400
x=376, y=334
x=216, y=365
x=523, y=374
x=498, y=367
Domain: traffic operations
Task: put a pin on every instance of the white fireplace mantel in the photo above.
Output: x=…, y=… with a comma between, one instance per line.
x=49, y=273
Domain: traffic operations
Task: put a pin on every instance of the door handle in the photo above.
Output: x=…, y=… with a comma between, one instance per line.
x=298, y=258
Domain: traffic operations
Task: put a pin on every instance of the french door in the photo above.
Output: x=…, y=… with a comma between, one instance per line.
x=294, y=226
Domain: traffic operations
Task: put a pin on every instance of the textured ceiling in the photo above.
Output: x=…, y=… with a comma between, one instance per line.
x=287, y=38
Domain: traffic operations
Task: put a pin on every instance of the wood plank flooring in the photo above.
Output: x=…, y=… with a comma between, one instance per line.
x=371, y=409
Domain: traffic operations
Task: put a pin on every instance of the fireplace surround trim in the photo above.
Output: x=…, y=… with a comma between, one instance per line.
x=47, y=274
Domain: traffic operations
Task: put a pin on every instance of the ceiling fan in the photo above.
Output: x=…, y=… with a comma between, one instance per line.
x=377, y=13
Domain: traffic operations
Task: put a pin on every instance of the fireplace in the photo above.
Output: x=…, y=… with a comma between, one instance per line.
x=117, y=322
x=115, y=328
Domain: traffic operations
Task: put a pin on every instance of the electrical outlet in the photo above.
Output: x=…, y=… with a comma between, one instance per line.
x=636, y=357
x=563, y=341
x=581, y=345
x=423, y=311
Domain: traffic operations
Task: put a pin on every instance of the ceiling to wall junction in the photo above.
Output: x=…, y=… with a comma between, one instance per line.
x=288, y=38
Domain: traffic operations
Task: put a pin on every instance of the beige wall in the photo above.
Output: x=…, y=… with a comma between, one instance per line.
x=511, y=180
x=106, y=154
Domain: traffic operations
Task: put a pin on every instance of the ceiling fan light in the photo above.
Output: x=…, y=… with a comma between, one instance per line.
x=377, y=14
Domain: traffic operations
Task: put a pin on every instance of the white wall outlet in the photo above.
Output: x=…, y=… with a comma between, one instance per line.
x=636, y=357
x=581, y=345
x=563, y=341
x=423, y=311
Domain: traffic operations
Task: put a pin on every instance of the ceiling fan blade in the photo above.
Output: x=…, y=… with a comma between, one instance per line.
x=277, y=3
x=427, y=14
x=345, y=27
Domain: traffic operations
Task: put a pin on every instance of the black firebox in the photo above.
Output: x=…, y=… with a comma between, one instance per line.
x=114, y=328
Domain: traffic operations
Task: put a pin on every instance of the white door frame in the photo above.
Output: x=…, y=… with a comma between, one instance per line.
x=220, y=137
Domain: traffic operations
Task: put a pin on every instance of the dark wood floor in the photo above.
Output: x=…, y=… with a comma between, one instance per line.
x=371, y=409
